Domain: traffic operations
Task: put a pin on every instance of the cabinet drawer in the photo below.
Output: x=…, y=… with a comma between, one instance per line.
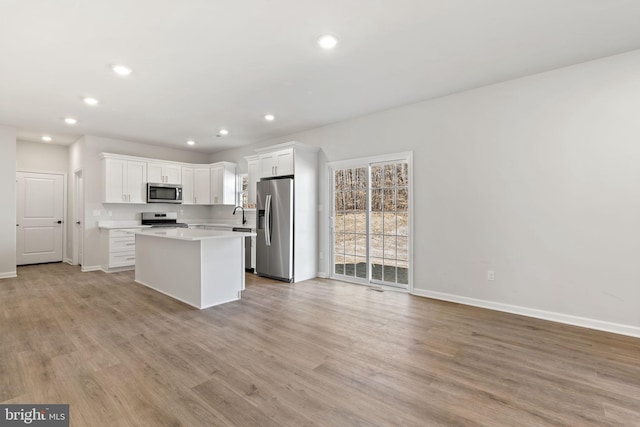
x=119, y=244
x=122, y=259
x=122, y=233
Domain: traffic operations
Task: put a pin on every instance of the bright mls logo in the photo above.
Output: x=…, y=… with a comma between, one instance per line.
x=34, y=415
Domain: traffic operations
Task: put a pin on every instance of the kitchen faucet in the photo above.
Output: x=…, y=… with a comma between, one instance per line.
x=244, y=220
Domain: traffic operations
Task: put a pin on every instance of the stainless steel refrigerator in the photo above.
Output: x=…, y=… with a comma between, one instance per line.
x=274, y=243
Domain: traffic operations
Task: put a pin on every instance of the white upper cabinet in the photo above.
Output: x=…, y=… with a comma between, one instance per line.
x=187, y=186
x=253, y=175
x=277, y=163
x=223, y=183
x=202, y=186
x=165, y=173
x=196, y=185
x=124, y=180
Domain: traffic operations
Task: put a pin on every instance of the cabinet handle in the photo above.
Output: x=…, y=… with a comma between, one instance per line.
x=131, y=244
x=131, y=259
x=276, y=170
x=195, y=200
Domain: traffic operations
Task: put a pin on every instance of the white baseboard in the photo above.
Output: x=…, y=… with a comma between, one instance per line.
x=69, y=261
x=8, y=274
x=86, y=268
x=616, y=328
x=322, y=275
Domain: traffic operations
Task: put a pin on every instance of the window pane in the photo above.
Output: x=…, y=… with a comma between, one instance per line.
x=361, y=200
x=390, y=223
x=390, y=199
x=349, y=266
x=389, y=247
x=376, y=200
x=403, y=224
x=339, y=268
x=403, y=248
x=403, y=199
x=361, y=245
x=376, y=268
x=361, y=222
x=339, y=201
x=349, y=181
x=376, y=223
x=376, y=176
x=339, y=223
x=338, y=244
x=362, y=178
x=402, y=174
x=377, y=248
x=389, y=273
x=350, y=244
x=348, y=201
x=389, y=176
x=361, y=267
x=403, y=275
x=339, y=178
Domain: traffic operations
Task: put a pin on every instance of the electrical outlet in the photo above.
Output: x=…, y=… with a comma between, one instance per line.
x=321, y=255
x=491, y=275
x=181, y=211
x=96, y=213
x=109, y=213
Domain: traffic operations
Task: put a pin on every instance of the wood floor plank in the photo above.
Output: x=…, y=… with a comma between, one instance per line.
x=317, y=353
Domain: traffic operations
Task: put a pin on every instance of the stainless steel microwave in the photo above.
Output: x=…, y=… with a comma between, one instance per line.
x=164, y=193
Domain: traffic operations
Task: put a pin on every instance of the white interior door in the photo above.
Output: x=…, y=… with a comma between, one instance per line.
x=40, y=217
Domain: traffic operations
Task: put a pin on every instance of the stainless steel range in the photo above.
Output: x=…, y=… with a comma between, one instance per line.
x=159, y=219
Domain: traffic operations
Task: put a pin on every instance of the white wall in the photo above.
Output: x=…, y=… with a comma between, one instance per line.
x=91, y=147
x=42, y=157
x=8, y=205
x=536, y=178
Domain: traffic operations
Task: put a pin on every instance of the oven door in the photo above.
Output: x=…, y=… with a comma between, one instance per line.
x=164, y=193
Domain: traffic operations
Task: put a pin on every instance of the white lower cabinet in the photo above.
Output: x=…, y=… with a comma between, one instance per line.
x=122, y=248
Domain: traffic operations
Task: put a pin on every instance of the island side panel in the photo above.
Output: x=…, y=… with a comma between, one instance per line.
x=170, y=266
x=222, y=270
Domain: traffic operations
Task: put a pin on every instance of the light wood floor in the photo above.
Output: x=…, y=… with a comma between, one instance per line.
x=314, y=353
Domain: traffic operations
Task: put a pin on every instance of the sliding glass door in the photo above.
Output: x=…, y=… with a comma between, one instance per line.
x=370, y=234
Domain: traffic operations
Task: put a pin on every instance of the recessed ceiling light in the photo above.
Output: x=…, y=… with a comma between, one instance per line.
x=191, y=142
x=269, y=117
x=121, y=70
x=90, y=101
x=223, y=132
x=327, y=42
x=46, y=138
x=70, y=121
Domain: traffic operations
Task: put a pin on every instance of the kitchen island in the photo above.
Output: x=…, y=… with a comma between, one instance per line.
x=201, y=268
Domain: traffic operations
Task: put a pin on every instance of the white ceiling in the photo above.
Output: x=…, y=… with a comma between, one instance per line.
x=200, y=65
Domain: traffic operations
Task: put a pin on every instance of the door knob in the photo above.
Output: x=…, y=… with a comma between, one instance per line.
x=78, y=222
x=58, y=222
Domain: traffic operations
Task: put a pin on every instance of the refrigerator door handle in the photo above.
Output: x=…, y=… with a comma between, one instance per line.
x=267, y=220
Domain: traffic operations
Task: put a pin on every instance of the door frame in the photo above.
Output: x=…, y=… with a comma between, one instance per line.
x=77, y=208
x=329, y=200
x=64, y=204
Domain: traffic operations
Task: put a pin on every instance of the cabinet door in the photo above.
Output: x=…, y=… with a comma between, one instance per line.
x=154, y=173
x=267, y=165
x=229, y=185
x=217, y=174
x=136, y=182
x=172, y=174
x=252, y=178
x=114, y=180
x=187, y=186
x=202, y=186
x=284, y=162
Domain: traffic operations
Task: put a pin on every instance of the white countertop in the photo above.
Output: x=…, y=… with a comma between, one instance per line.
x=192, y=234
x=221, y=225
x=115, y=225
